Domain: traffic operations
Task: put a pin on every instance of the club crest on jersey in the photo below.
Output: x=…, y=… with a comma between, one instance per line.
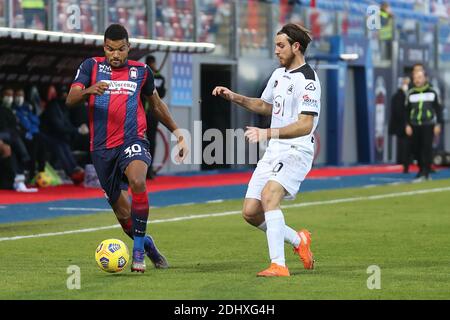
x=133, y=73
x=290, y=89
x=275, y=84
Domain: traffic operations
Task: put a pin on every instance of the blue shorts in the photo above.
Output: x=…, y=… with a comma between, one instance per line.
x=111, y=164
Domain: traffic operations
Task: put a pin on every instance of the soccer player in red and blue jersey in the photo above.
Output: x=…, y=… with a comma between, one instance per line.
x=113, y=86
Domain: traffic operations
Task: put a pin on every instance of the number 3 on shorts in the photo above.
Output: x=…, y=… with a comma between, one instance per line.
x=130, y=151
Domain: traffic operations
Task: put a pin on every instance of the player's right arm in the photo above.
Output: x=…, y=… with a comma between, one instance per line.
x=256, y=105
x=81, y=87
x=77, y=94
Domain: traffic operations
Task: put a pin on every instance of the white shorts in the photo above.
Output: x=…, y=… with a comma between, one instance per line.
x=289, y=168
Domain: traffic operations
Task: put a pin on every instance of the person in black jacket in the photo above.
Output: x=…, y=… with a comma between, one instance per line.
x=60, y=133
x=6, y=172
x=424, y=119
x=28, y=122
x=397, y=124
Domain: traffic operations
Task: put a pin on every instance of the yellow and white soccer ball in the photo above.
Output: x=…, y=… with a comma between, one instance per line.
x=112, y=255
x=43, y=180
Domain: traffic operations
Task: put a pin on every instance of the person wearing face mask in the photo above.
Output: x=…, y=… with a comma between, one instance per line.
x=397, y=124
x=29, y=127
x=11, y=136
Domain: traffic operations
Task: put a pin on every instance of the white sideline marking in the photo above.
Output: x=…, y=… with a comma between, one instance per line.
x=191, y=217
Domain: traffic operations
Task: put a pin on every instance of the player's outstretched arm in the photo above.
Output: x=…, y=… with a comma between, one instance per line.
x=302, y=127
x=256, y=105
x=161, y=111
x=78, y=95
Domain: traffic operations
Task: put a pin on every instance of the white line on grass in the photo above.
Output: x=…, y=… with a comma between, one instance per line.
x=199, y=216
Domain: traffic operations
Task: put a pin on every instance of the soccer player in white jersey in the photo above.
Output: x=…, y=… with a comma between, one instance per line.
x=292, y=97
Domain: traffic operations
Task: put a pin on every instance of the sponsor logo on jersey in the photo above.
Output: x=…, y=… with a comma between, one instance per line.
x=308, y=102
x=121, y=87
x=310, y=86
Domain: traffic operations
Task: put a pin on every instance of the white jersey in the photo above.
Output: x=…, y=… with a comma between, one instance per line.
x=292, y=92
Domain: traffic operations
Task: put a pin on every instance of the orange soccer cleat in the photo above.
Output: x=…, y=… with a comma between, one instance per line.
x=304, y=250
x=275, y=270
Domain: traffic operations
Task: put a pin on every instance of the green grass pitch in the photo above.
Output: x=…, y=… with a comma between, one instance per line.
x=217, y=257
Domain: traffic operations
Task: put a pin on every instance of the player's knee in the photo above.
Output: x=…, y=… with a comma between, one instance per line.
x=251, y=215
x=137, y=185
x=247, y=214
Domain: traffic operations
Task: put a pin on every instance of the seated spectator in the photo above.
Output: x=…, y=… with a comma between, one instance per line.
x=6, y=174
x=55, y=123
x=78, y=116
x=29, y=127
x=11, y=136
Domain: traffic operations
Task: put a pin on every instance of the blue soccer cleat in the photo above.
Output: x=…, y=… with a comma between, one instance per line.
x=158, y=260
x=138, y=264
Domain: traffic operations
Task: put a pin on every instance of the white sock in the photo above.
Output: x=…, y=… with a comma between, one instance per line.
x=290, y=235
x=275, y=236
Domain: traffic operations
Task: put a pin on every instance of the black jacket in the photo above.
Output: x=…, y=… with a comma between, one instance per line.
x=55, y=121
x=397, y=122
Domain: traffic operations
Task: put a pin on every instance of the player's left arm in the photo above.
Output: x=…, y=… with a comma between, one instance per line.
x=162, y=113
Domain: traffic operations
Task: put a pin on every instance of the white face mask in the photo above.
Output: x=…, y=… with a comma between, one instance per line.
x=7, y=101
x=19, y=101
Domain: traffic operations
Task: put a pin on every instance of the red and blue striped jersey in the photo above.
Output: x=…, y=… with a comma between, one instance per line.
x=117, y=116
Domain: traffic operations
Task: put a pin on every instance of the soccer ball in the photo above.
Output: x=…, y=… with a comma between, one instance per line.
x=43, y=180
x=112, y=255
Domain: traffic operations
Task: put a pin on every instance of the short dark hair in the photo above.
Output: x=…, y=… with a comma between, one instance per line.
x=150, y=59
x=116, y=32
x=296, y=33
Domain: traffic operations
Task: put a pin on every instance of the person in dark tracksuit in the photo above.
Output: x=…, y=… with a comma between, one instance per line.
x=397, y=123
x=424, y=120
